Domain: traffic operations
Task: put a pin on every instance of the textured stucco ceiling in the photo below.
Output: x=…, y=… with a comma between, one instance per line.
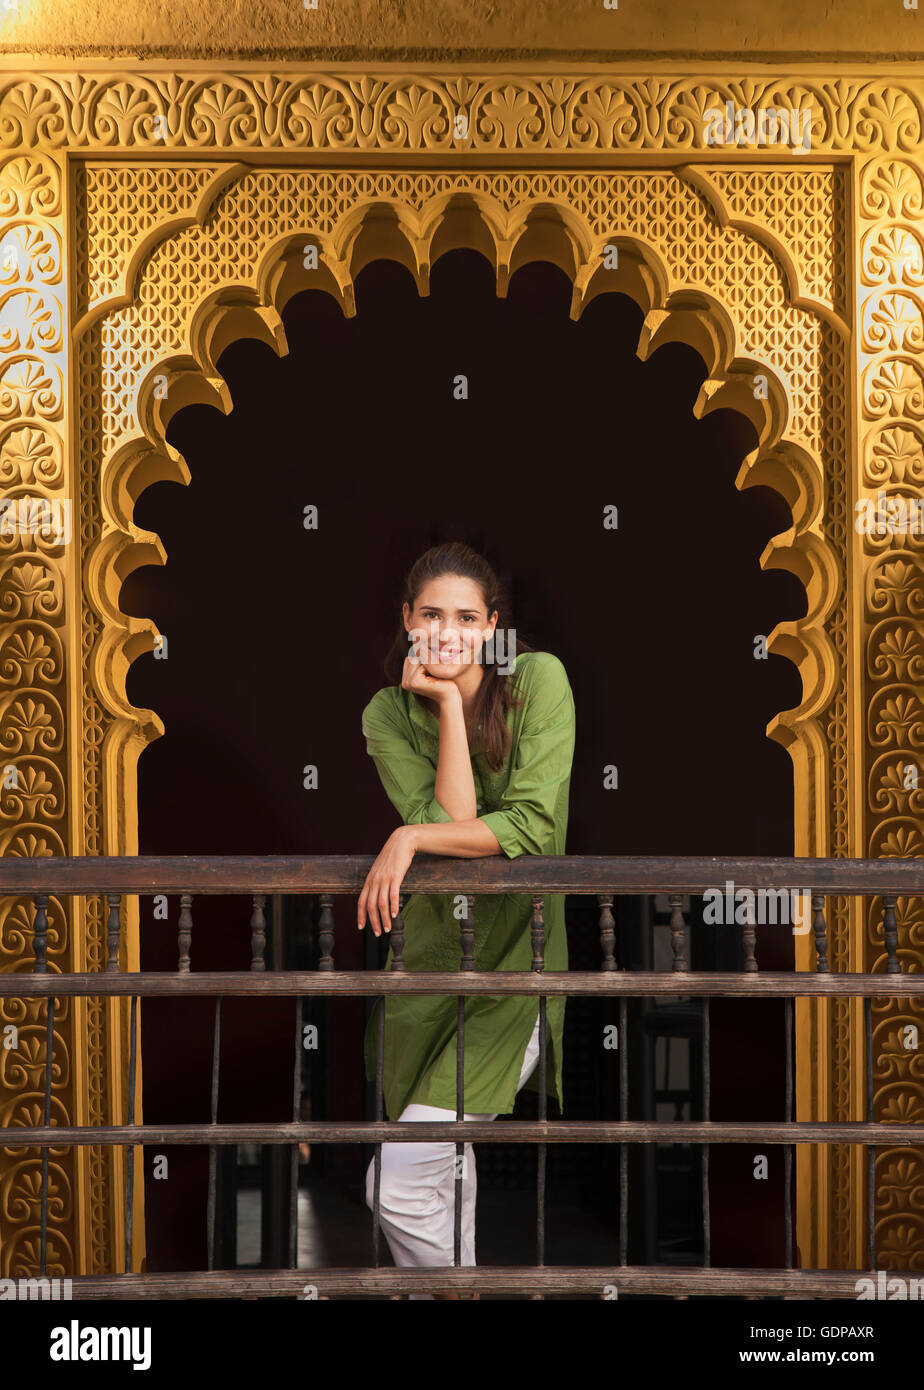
x=424, y=30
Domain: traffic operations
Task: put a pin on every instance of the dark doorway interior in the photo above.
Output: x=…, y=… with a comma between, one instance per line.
x=276, y=636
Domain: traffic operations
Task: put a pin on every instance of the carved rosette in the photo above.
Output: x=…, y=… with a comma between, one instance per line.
x=36, y=533
x=889, y=545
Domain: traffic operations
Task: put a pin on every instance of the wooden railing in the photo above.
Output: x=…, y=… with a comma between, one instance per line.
x=189, y=877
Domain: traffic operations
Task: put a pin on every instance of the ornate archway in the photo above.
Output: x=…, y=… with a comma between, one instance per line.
x=149, y=222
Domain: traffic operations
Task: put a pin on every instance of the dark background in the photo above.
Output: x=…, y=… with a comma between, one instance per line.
x=277, y=635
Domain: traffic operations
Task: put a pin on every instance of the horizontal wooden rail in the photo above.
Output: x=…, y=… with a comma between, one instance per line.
x=486, y=1279
x=191, y=876
x=641, y=984
x=431, y=873
x=474, y=1131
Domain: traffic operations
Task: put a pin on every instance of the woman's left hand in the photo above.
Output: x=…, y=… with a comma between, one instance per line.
x=380, y=894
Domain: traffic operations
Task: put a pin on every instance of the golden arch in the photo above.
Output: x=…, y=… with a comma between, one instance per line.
x=679, y=306
x=535, y=230
x=175, y=252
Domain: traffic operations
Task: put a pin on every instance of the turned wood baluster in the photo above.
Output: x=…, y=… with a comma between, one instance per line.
x=871, y=1149
x=113, y=931
x=820, y=932
x=890, y=934
x=184, y=933
x=40, y=934
x=397, y=936
x=749, y=936
x=678, y=932
x=40, y=967
x=326, y=933
x=537, y=934
x=607, y=931
x=467, y=935
x=467, y=963
x=258, y=933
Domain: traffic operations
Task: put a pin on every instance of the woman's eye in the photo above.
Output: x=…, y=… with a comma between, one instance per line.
x=433, y=618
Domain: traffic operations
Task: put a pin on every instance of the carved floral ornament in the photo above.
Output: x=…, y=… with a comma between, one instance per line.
x=450, y=114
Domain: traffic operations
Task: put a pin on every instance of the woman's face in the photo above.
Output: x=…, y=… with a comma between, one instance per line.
x=450, y=624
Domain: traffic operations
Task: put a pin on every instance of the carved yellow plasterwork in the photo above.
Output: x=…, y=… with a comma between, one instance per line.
x=39, y=610
x=155, y=262
x=394, y=111
x=889, y=343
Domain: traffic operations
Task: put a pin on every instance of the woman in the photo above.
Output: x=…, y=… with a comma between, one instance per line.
x=475, y=754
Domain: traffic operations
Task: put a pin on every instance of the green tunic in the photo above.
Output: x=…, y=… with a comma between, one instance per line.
x=525, y=804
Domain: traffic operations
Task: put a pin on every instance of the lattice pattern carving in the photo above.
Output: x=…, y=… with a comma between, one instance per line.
x=262, y=207
x=142, y=201
x=803, y=211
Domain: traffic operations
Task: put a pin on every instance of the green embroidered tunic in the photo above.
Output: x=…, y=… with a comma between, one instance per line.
x=525, y=804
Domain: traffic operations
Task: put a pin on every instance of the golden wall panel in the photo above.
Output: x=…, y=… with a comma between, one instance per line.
x=890, y=589
x=166, y=214
x=38, y=603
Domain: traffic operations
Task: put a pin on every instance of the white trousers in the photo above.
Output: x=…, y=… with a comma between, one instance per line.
x=417, y=1189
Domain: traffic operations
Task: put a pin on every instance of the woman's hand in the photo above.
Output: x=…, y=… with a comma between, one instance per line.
x=379, y=897
x=417, y=678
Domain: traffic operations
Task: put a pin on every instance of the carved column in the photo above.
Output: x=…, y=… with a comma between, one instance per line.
x=39, y=587
x=54, y=801
x=888, y=557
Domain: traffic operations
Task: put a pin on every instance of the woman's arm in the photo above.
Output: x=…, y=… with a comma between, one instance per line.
x=462, y=839
x=410, y=781
x=451, y=794
x=527, y=816
x=455, y=783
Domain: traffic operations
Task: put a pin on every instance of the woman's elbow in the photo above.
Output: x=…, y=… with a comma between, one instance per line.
x=534, y=839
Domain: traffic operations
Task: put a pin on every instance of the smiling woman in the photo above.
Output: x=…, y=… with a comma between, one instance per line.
x=476, y=763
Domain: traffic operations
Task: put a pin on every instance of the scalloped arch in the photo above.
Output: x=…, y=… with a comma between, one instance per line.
x=386, y=227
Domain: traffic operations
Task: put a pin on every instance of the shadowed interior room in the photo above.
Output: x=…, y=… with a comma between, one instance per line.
x=666, y=685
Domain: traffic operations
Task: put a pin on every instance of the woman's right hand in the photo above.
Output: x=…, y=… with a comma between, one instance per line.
x=417, y=678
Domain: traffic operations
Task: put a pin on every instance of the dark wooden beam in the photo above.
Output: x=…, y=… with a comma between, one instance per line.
x=644, y=984
x=432, y=873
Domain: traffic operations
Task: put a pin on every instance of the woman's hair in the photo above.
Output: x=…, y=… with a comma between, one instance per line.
x=495, y=696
